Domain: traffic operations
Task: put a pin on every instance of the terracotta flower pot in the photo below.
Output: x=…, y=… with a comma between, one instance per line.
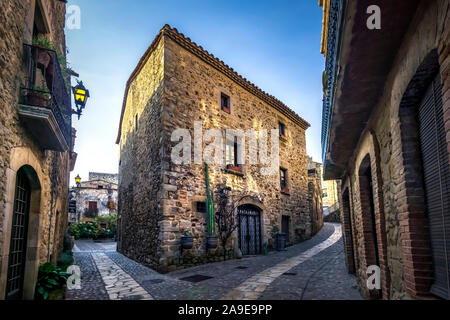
x=234, y=168
x=37, y=99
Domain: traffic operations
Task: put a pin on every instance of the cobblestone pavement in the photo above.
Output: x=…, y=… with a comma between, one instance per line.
x=314, y=269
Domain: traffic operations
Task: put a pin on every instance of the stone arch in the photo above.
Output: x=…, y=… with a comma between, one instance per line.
x=348, y=232
x=368, y=166
x=258, y=234
x=414, y=231
x=368, y=217
x=23, y=158
x=351, y=210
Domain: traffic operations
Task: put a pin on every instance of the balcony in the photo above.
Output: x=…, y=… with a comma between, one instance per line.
x=44, y=104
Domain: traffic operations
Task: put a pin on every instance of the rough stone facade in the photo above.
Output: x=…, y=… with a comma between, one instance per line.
x=315, y=195
x=175, y=84
x=47, y=171
x=96, y=197
x=330, y=195
x=388, y=149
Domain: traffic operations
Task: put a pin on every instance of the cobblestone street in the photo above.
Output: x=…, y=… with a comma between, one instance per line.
x=312, y=270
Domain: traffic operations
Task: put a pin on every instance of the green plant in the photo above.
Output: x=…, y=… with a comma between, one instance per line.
x=44, y=42
x=90, y=213
x=187, y=233
x=84, y=230
x=67, y=245
x=65, y=260
x=50, y=278
x=274, y=231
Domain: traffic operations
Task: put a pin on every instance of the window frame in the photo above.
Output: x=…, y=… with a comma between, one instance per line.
x=227, y=107
x=284, y=178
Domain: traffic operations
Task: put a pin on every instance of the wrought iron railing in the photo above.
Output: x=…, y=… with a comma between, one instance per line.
x=45, y=86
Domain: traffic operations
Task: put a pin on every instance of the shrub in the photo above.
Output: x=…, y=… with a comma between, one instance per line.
x=274, y=231
x=65, y=260
x=84, y=230
x=50, y=278
x=67, y=246
x=103, y=227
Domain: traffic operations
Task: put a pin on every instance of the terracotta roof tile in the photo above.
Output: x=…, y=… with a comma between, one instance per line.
x=216, y=63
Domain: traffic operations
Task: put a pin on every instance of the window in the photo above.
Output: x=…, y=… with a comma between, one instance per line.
x=136, y=121
x=231, y=153
x=201, y=206
x=225, y=103
x=282, y=129
x=283, y=178
x=100, y=187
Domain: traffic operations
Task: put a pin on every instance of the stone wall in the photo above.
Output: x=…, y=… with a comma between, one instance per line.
x=49, y=171
x=140, y=166
x=104, y=193
x=388, y=145
x=152, y=186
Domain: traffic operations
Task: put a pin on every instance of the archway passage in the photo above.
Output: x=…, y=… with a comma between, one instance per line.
x=19, y=236
x=437, y=183
x=249, y=217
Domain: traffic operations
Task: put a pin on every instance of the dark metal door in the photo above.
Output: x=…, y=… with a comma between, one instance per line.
x=285, y=226
x=249, y=229
x=437, y=184
x=17, y=251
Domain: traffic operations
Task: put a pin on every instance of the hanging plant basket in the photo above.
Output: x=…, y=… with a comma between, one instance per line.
x=187, y=242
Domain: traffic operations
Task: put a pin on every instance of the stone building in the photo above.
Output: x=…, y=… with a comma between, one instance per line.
x=175, y=84
x=315, y=194
x=36, y=142
x=330, y=197
x=95, y=197
x=386, y=135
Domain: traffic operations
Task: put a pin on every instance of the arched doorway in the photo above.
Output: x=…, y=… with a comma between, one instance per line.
x=249, y=230
x=348, y=235
x=436, y=174
x=368, y=218
x=19, y=236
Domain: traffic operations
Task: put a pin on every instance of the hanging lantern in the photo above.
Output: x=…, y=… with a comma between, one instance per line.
x=81, y=95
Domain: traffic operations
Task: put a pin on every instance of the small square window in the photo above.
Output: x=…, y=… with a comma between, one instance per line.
x=201, y=206
x=225, y=103
x=282, y=129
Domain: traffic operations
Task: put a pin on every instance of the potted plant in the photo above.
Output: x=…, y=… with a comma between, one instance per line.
x=42, y=54
x=300, y=230
x=187, y=240
x=39, y=97
x=51, y=284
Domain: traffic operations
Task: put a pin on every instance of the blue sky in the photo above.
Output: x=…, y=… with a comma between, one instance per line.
x=274, y=44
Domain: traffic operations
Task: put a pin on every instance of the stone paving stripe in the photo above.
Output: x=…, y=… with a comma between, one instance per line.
x=252, y=288
x=119, y=284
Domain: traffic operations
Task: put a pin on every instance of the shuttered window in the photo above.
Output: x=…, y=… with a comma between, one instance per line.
x=437, y=184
